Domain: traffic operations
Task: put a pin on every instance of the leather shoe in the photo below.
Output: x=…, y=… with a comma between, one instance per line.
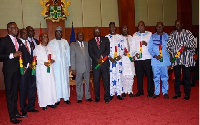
x=155, y=96
x=111, y=97
x=15, y=121
x=149, y=95
x=120, y=97
x=33, y=110
x=21, y=116
x=138, y=94
x=57, y=103
x=176, y=96
x=68, y=102
x=123, y=95
x=44, y=108
x=52, y=106
x=107, y=101
x=79, y=101
x=89, y=100
x=186, y=97
x=96, y=100
x=166, y=96
x=131, y=95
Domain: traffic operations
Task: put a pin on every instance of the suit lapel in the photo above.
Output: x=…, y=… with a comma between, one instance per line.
x=11, y=44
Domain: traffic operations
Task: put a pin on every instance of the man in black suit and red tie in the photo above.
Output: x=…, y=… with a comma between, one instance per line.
x=98, y=48
x=10, y=50
x=27, y=85
x=31, y=33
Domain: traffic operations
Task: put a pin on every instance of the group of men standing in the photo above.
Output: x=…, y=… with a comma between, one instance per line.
x=117, y=58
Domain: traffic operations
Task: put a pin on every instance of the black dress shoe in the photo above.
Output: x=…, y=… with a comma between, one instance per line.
x=20, y=116
x=89, y=100
x=52, y=106
x=107, y=101
x=111, y=97
x=33, y=110
x=123, y=95
x=79, y=101
x=155, y=96
x=44, y=108
x=150, y=95
x=15, y=121
x=120, y=97
x=166, y=96
x=131, y=95
x=57, y=103
x=186, y=97
x=96, y=100
x=24, y=114
x=138, y=94
x=68, y=102
x=176, y=96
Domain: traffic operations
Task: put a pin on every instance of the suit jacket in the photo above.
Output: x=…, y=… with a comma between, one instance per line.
x=27, y=57
x=6, y=48
x=95, y=53
x=79, y=61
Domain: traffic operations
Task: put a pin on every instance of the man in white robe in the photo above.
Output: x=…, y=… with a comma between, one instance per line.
x=61, y=66
x=45, y=81
x=128, y=65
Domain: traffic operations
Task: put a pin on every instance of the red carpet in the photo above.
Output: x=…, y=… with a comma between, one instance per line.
x=130, y=111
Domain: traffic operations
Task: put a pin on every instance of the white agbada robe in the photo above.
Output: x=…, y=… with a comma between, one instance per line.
x=61, y=68
x=116, y=68
x=128, y=66
x=45, y=82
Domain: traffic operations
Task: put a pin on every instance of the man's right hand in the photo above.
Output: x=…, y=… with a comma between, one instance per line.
x=112, y=60
x=137, y=55
x=99, y=61
x=157, y=57
x=18, y=53
x=74, y=72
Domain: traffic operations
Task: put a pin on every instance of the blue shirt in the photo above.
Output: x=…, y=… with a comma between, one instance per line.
x=153, y=49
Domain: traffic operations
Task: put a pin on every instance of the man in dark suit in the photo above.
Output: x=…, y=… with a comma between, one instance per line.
x=27, y=85
x=10, y=47
x=31, y=33
x=98, y=48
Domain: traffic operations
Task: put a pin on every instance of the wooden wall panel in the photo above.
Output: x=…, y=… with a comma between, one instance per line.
x=184, y=13
x=126, y=10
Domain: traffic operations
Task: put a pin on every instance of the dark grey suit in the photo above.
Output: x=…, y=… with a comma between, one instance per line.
x=95, y=54
x=80, y=61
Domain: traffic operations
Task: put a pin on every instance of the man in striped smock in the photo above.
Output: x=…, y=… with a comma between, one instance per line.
x=181, y=40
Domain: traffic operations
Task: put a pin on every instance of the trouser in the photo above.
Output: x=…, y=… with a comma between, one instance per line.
x=104, y=71
x=127, y=84
x=11, y=80
x=79, y=85
x=27, y=89
x=186, y=79
x=160, y=72
x=144, y=66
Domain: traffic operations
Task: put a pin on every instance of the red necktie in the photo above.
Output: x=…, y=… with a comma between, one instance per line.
x=33, y=45
x=98, y=42
x=16, y=44
x=27, y=46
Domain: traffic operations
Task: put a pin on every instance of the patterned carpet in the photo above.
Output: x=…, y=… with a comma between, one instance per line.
x=130, y=111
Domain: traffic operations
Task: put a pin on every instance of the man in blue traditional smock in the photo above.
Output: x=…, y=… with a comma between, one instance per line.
x=160, y=60
x=61, y=66
x=116, y=53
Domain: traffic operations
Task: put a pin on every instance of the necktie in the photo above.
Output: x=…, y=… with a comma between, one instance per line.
x=32, y=43
x=128, y=46
x=98, y=42
x=26, y=44
x=16, y=44
x=82, y=48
